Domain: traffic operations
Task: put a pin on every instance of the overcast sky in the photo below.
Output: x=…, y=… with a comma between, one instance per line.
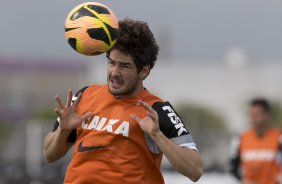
x=190, y=29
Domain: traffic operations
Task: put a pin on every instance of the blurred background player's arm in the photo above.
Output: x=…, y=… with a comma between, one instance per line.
x=58, y=142
x=279, y=177
x=235, y=158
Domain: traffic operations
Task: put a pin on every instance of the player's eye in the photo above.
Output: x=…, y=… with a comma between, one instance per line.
x=111, y=62
x=125, y=66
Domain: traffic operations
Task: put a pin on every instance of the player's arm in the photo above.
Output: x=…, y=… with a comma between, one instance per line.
x=184, y=160
x=279, y=154
x=57, y=142
x=247, y=182
x=235, y=160
x=183, y=157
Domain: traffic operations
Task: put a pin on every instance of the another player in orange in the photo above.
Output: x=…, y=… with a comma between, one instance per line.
x=120, y=131
x=256, y=154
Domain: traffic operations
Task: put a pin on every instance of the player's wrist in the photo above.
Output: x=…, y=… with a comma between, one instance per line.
x=61, y=129
x=155, y=134
x=63, y=132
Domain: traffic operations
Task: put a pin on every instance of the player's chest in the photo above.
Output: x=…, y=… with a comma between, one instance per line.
x=263, y=150
x=112, y=118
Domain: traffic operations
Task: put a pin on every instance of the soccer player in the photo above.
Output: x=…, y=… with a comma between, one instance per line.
x=120, y=131
x=256, y=154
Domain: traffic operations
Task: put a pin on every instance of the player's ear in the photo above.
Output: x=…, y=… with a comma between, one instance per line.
x=145, y=72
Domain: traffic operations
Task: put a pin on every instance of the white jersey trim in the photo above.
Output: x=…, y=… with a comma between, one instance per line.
x=190, y=146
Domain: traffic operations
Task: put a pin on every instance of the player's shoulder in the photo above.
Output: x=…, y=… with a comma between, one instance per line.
x=275, y=133
x=170, y=121
x=150, y=98
x=97, y=87
x=275, y=130
x=92, y=88
x=81, y=90
x=164, y=108
x=247, y=133
x=172, y=125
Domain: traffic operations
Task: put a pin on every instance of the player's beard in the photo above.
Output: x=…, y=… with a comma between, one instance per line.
x=127, y=88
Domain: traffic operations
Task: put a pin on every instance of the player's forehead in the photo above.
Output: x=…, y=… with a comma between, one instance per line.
x=120, y=57
x=257, y=109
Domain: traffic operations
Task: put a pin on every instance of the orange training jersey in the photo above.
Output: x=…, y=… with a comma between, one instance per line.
x=260, y=156
x=111, y=147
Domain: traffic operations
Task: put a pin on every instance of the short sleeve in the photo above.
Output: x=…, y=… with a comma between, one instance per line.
x=235, y=160
x=172, y=125
x=72, y=136
x=280, y=151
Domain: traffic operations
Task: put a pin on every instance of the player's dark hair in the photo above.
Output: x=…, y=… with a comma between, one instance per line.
x=261, y=102
x=137, y=40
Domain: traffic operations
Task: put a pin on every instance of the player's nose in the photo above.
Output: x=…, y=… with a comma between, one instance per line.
x=115, y=71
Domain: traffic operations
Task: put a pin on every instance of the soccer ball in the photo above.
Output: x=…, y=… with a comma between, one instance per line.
x=91, y=28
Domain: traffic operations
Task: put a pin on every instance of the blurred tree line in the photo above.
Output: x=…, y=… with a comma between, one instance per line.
x=277, y=114
x=197, y=117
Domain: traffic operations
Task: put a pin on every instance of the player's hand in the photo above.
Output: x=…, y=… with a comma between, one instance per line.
x=69, y=118
x=150, y=123
x=247, y=182
x=279, y=178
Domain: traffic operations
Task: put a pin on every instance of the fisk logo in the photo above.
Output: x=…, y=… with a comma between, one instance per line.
x=175, y=120
x=103, y=124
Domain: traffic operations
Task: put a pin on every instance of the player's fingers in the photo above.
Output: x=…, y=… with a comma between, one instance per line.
x=58, y=112
x=152, y=115
x=77, y=100
x=86, y=116
x=69, y=97
x=136, y=118
x=59, y=101
x=145, y=105
x=150, y=111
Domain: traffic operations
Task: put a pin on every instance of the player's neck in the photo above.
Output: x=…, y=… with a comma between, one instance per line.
x=260, y=131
